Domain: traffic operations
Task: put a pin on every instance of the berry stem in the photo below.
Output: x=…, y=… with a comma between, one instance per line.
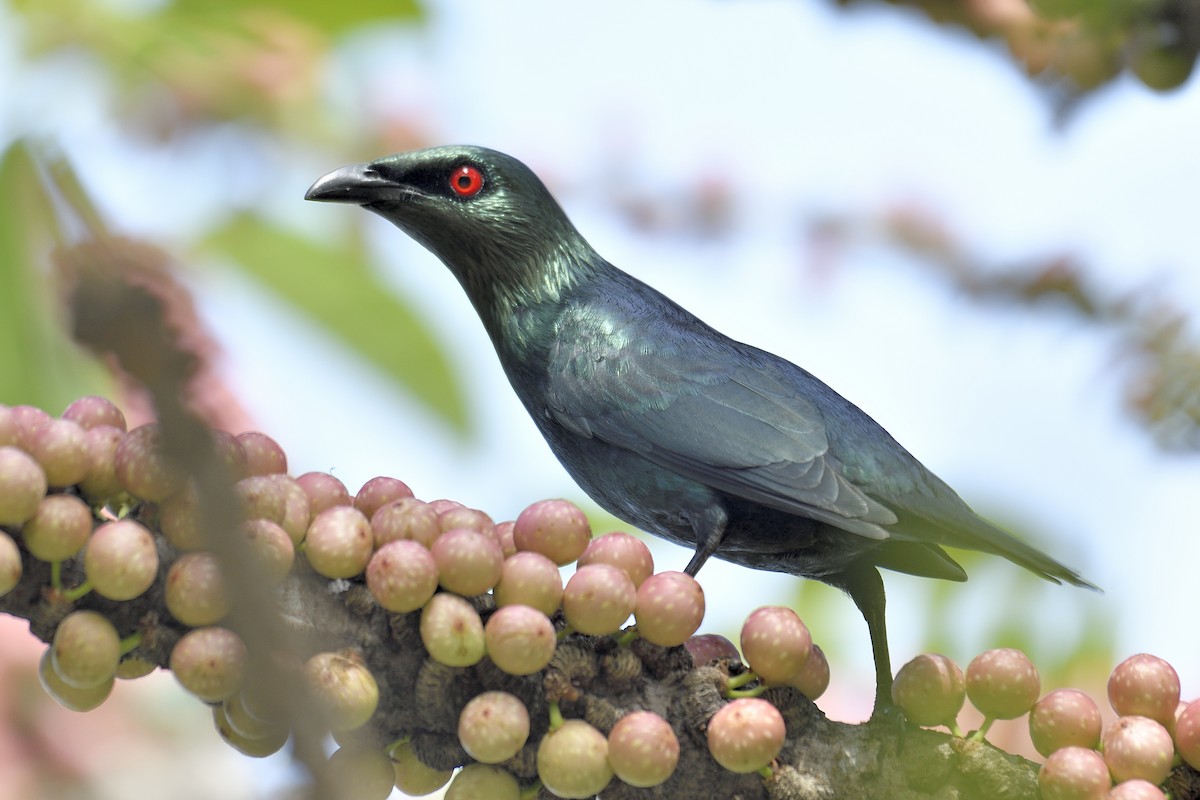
x=531, y=791
x=738, y=681
x=56, y=575
x=78, y=592
x=628, y=637
x=556, y=717
x=981, y=734
x=767, y=772
x=130, y=642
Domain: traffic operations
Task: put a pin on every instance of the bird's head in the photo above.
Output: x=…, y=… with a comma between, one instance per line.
x=483, y=213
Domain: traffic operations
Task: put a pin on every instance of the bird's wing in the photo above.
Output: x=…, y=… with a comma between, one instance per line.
x=735, y=426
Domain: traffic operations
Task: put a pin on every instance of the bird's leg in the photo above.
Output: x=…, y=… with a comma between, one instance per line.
x=710, y=529
x=865, y=586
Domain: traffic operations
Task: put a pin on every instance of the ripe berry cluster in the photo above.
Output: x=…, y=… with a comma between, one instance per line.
x=1153, y=733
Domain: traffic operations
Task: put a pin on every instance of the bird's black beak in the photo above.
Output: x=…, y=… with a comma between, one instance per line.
x=358, y=183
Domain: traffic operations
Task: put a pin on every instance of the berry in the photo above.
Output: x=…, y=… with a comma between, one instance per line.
x=10, y=564
x=483, y=782
x=642, y=749
x=572, y=761
x=1187, y=734
x=9, y=433
x=243, y=723
x=1064, y=718
x=598, y=599
x=210, y=663
x=452, y=631
x=402, y=576
x=670, y=607
x=363, y=773
x=324, y=491
x=178, y=520
x=59, y=529
x=412, y=776
x=622, y=551
x=86, y=650
x=1144, y=685
x=520, y=640
x=468, y=562
x=930, y=690
x=90, y=412
x=1074, y=773
x=271, y=547
x=775, y=643
x=1003, y=683
x=121, y=560
x=813, y=678
x=558, y=529
x=68, y=696
x=531, y=579
x=296, y=514
x=344, y=689
x=1136, y=789
x=408, y=518
x=22, y=485
x=709, y=647
x=746, y=734
x=470, y=518
x=264, y=456
x=230, y=454
x=195, y=590
x=262, y=747
x=378, y=492
x=61, y=447
x=27, y=421
x=1138, y=747
x=142, y=468
x=339, y=541
x=100, y=484
x=504, y=535
x=261, y=497
x=493, y=727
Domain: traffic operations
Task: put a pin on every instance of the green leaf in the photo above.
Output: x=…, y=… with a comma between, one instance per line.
x=337, y=289
x=39, y=364
x=332, y=18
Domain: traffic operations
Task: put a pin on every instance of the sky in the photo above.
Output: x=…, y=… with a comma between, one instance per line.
x=803, y=110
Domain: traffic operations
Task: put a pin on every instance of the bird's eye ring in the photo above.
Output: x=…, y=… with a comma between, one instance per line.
x=466, y=181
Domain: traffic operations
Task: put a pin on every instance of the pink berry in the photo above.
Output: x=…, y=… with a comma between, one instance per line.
x=86, y=649
x=1138, y=747
x=531, y=579
x=260, y=497
x=343, y=688
x=339, y=542
x=271, y=547
x=1144, y=685
x=22, y=485
x=1064, y=718
x=264, y=456
x=1003, y=683
x=746, y=734
x=623, y=551
x=930, y=690
x=670, y=607
x=470, y=518
x=142, y=468
x=100, y=485
x=59, y=529
x=1187, y=734
x=209, y=663
x=407, y=518
x=468, y=562
x=402, y=576
x=558, y=529
x=88, y=412
x=452, y=631
x=378, y=492
x=598, y=599
x=1074, y=773
x=1136, y=790
x=121, y=560
x=775, y=643
x=493, y=727
x=520, y=640
x=61, y=447
x=813, y=678
x=195, y=591
x=324, y=491
x=709, y=647
x=10, y=564
x=504, y=535
x=643, y=749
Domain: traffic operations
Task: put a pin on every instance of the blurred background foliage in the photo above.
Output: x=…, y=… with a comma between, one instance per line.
x=235, y=77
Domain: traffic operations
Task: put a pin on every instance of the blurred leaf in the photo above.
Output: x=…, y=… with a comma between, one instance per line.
x=39, y=365
x=337, y=288
x=330, y=18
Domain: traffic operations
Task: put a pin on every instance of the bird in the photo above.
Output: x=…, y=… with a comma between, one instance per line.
x=665, y=422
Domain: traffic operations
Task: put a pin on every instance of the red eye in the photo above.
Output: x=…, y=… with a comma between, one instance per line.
x=466, y=181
